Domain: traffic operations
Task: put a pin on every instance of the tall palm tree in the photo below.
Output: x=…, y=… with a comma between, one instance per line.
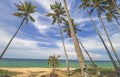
x=53, y=61
x=99, y=6
x=66, y=29
x=24, y=11
x=85, y=4
x=80, y=57
x=58, y=16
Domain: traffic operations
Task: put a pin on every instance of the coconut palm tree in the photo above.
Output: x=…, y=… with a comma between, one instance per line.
x=67, y=30
x=53, y=61
x=99, y=6
x=24, y=11
x=58, y=16
x=85, y=4
x=80, y=57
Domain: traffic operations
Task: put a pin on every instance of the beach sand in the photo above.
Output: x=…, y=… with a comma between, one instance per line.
x=29, y=72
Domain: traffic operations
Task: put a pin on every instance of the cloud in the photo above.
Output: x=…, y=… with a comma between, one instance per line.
x=45, y=4
x=40, y=25
x=83, y=20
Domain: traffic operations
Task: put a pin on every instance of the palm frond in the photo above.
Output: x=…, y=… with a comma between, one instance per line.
x=18, y=14
x=31, y=18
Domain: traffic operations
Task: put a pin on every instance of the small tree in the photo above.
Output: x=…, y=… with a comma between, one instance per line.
x=53, y=61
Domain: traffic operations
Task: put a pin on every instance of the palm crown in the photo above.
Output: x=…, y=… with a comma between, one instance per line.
x=66, y=27
x=24, y=11
x=58, y=12
x=53, y=61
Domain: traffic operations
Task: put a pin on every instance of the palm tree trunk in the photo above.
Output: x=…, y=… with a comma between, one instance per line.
x=106, y=33
x=87, y=52
x=117, y=8
x=67, y=62
x=12, y=39
x=54, y=64
x=98, y=72
x=76, y=44
x=109, y=54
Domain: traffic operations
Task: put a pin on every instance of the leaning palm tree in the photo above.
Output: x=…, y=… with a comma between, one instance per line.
x=24, y=11
x=53, y=61
x=85, y=4
x=58, y=16
x=80, y=57
x=66, y=29
x=100, y=5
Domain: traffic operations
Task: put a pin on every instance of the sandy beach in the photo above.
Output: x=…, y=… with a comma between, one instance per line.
x=45, y=72
x=26, y=72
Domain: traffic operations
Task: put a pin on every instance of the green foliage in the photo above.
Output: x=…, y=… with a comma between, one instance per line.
x=8, y=73
x=58, y=13
x=53, y=61
x=66, y=27
x=24, y=11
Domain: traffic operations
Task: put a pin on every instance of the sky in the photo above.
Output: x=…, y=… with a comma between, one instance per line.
x=41, y=39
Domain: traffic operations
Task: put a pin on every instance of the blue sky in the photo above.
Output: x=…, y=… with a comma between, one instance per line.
x=41, y=39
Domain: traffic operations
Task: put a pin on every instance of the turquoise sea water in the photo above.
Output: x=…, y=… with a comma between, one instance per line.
x=43, y=63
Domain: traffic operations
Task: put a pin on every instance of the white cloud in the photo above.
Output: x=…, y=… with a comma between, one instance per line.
x=45, y=4
x=82, y=20
x=43, y=28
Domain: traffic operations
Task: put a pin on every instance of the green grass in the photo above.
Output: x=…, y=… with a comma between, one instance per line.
x=8, y=73
x=105, y=72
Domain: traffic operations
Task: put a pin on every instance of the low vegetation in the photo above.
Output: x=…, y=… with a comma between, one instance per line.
x=6, y=73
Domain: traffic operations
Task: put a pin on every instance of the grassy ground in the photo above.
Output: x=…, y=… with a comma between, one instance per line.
x=105, y=72
x=5, y=73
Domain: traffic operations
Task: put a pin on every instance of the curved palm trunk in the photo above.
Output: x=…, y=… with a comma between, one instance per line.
x=98, y=72
x=67, y=62
x=109, y=54
x=76, y=44
x=106, y=33
x=87, y=52
x=12, y=39
x=117, y=8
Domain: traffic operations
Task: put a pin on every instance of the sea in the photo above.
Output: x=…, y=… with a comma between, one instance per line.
x=28, y=63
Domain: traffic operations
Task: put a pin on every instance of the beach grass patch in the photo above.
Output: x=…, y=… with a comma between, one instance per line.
x=6, y=73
